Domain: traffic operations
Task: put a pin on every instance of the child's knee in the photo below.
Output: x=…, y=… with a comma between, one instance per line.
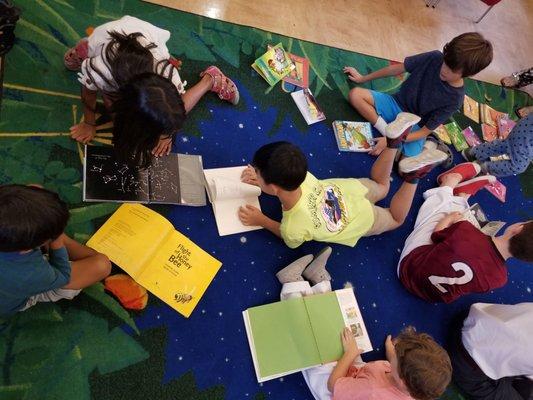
x=102, y=266
x=357, y=96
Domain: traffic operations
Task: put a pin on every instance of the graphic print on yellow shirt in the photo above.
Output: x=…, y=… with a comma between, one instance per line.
x=334, y=210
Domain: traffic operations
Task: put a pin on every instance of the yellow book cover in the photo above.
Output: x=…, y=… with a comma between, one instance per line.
x=471, y=108
x=442, y=134
x=151, y=251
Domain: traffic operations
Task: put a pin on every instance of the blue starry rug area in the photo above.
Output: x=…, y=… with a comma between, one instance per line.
x=91, y=348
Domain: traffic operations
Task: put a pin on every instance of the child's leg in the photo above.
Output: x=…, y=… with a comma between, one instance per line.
x=193, y=95
x=484, y=151
x=380, y=175
x=363, y=101
x=87, y=267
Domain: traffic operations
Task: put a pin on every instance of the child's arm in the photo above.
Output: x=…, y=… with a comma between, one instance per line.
x=420, y=134
x=59, y=260
x=448, y=220
x=85, y=131
x=251, y=215
x=391, y=70
x=351, y=352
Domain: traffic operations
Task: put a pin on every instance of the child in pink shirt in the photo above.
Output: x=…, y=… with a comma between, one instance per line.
x=417, y=368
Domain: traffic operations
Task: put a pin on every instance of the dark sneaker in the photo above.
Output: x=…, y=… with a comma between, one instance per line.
x=397, y=130
x=427, y=157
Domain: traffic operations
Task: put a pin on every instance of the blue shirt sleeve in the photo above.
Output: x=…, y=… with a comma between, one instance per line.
x=440, y=116
x=412, y=62
x=60, y=271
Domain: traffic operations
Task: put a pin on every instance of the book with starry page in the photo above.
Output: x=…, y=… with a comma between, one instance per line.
x=154, y=254
x=300, y=333
x=172, y=179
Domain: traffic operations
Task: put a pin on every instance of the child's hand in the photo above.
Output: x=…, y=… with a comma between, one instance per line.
x=163, y=147
x=250, y=215
x=249, y=176
x=389, y=347
x=349, y=344
x=82, y=132
x=380, y=144
x=354, y=75
x=57, y=243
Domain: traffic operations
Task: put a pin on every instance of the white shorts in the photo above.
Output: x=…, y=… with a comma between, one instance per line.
x=438, y=202
x=51, y=296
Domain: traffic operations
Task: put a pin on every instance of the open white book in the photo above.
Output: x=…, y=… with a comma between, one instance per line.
x=227, y=194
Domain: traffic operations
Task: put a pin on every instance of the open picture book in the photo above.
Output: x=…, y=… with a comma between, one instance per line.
x=172, y=179
x=296, y=334
x=476, y=216
x=227, y=193
x=274, y=65
x=353, y=136
x=308, y=106
x=155, y=255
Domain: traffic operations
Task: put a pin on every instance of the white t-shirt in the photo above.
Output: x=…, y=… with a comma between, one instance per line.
x=500, y=338
x=100, y=38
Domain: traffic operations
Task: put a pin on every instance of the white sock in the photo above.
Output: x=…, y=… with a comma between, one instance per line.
x=380, y=125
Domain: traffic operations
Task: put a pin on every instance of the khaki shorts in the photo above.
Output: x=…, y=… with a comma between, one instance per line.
x=383, y=220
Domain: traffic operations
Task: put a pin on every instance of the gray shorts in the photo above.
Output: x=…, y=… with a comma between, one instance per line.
x=51, y=296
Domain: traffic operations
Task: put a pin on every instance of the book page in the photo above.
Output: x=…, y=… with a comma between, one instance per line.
x=227, y=194
x=131, y=236
x=179, y=273
x=308, y=106
x=327, y=322
x=353, y=318
x=282, y=338
x=191, y=180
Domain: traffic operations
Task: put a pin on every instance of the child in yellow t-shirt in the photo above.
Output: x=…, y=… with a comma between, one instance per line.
x=331, y=210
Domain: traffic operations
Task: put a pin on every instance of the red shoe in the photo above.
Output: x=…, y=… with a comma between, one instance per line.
x=467, y=171
x=222, y=85
x=473, y=186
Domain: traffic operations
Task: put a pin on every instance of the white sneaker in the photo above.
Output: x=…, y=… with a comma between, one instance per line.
x=402, y=122
x=427, y=157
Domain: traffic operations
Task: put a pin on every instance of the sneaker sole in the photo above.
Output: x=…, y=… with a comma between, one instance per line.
x=487, y=178
x=399, y=127
x=428, y=157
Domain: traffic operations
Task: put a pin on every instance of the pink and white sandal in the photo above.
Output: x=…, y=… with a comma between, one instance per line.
x=222, y=85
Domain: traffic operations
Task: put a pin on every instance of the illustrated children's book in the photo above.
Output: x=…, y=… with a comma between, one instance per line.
x=172, y=179
x=505, y=125
x=155, y=255
x=489, y=115
x=498, y=190
x=308, y=106
x=353, y=136
x=442, y=134
x=470, y=136
x=299, y=76
x=471, y=108
x=476, y=216
x=456, y=136
x=489, y=132
x=227, y=194
x=274, y=65
x=301, y=333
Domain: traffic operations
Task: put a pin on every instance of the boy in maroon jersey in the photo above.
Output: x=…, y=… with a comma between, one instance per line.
x=446, y=257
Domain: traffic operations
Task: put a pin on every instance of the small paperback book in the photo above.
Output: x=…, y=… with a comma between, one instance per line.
x=274, y=65
x=172, y=179
x=489, y=115
x=489, y=132
x=471, y=108
x=456, y=136
x=476, y=216
x=299, y=76
x=470, y=136
x=300, y=333
x=505, y=126
x=227, y=194
x=308, y=106
x=353, y=136
x=155, y=255
x=498, y=190
x=442, y=134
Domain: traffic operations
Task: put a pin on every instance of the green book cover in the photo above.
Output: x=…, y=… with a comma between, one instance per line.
x=274, y=65
x=296, y=334
x=456, y=136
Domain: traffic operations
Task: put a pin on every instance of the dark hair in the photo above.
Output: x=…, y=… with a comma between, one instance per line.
x=282, y=164
x=521, y=244
x=423, y=365
x=146, y=108
x=29, y=216
x=468, y=53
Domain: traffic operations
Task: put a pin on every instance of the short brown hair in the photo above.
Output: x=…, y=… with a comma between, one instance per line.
x=423, y=365
x=468, y=53
x=521, y=244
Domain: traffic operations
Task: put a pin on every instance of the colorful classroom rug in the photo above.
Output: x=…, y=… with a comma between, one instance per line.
x=91, y=348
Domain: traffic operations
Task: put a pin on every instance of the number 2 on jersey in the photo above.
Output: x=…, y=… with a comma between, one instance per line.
x=437, y=281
